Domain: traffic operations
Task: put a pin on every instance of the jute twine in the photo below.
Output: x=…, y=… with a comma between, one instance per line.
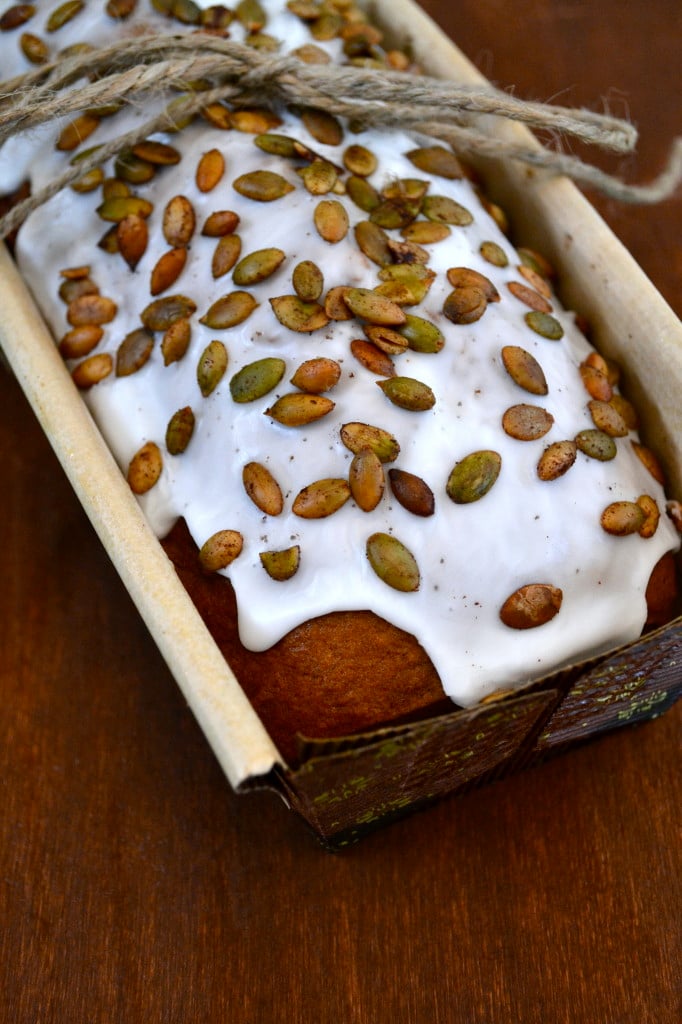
x=129, y=70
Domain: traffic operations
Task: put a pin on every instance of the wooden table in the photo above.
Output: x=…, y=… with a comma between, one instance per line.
x=135, y=886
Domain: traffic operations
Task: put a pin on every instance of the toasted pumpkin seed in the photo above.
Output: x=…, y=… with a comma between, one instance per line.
x=557, y=459
x=372, y=358
x=16, y=15
x=176, y=340
x=537, y=262
x=91, y=309
x=133, y=169
x=297, y=315
x=544, y=324
x=626, y=410
x=134, y=351
x=596, y=445
x=394, y=213
x=524, y=369
x=473, y=476
x=161, y=313
x=92, y=370
x=446, y=211
x=596, y=382
x=211, y=367
x=225, y=255
x=210, y=170
x=335, y=303
x=256, y=120
x=179, y=222
x=262, y=186
x=331, y=220
x=376, y=308
x=412, y=492
x=535, y=280
x=277, y=145
x=465, y=277
x=359, y=160
x=652, y=516
x=531, y=605
x=281, y=565
x=323, y=127
x=179, y=430
x=407, y=393
x=88, y=182
x=132, y=237
x=73, y=287
x=407, y=252
x=120, y=9
x=262, y=488
x=425, y=232
x=220, y=550
x=436, y=160
x=357, y=436
x=531, y=298
x=80, y=341
x=251, y=14
x=159, y=153
x=167, y=269
x=605, y=417
x=422, y=335
x=493, y=253
x=649, y=460
x=220, y=223
x=257, y=266
x=393, y=563
x=386, y=339
x=622, y=518
x=319, y=177
x=321, y=498
x=145, y=468
x=65, y=12
x=465, y=305
x=366, y=480
x=218, y=116
x=229, y=310
x=527, y=422
x=299, y=408
x=34, y=48
x=256, y=379
x=373, y=242
x=362, y=193
x=114, y=188
x=308, y=281
x=317, y=375
x=118, y=207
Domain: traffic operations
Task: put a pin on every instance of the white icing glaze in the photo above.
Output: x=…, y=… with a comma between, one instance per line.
x=471, y=557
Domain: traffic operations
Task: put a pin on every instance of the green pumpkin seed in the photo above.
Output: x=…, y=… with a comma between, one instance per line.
x=281, y=565
x=596, y=445
x=160, y=314
x=277, y=145
x=179, y=430
x=425, y=232
x=531, y=606
x=545, y=325
x=377, y=309
x=360, y=192
x=412, y=492
x=393, y=563
x=133, y=169
x=407, y=393
x=297, y=315
x=220, y=550
x=622, y=518
x=524, y=369
x=493, y=253
x=211, y=367
x=321, y=498
x=134, y=351
x=299, y=408
x=395, y=213
x=262, y=186
x=62, y=14
x=317, y=375
x=473, y=476
x=357, y=436
x=308, y=281
x=557, y=459
x=262, y=488
x=257, y=266
x=373, y=242
x=256, y=379
x=319, y=177
x=527, y=422
x=360, y=161
x=421, y=334
x=436, y=160
x=229, y=310
x=123, y=206
x=323, y=127
x=446, y=211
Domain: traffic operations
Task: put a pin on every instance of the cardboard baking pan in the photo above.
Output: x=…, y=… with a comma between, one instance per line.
x=345, y=788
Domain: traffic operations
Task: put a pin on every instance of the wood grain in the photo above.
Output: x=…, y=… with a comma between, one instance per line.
x=134, y=885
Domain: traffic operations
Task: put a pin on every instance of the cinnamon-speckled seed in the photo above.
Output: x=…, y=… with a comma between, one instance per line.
x=527, y=422
x=257, y=379
x=161, y=313
x=210, y=170
x=176, y=340
x=407, y=393
x=303, y=317
x=622, y=518
x=596, y=445
x=335, y=303
x=211, y=367
x=92, y=370
x=544, y=324
x=524, y=369
x=356, y=436
x=299, y=408
x=321, y=498
x=531, y=605
x=262, y=186
x=473, y=476
x=359, y=160
x=179, y=221
x=372, y=358
x=608, y=419
x=145, y=468
x=557, y=459
x=134, y=351
x=229, y=310
x=465, y=305
x=650, y=461
x=262, y=488
x=281, y=565
x=652, y=515
x=220, y=550
x=308, y=281
x=317, y=375
x=412, y=492
x=179, y=430
x=167, y=270
x=393, y=562
x=366, y=479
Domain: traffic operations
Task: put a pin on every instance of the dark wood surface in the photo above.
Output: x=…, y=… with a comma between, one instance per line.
x=135, y=886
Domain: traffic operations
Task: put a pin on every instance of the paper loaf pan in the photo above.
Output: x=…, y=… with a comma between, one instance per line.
x=344, y=788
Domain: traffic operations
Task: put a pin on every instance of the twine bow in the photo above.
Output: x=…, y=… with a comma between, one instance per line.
x=129, y=70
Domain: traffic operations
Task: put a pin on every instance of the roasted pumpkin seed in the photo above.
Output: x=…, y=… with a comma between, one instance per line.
x=367, y=305
x=425, y=232
x=80, y=341
x=436, y=160
x=92, y=370
x=211, y=367
x=362, y=193
x=596, y=445
x=16, y=15
x=145, y=468
x=65, y=12
x=262, y=488
x=527, y=422
x=118, y=207
x=73, y=287
x=557, y=459
x=176, y=340
x=131, y=168
x=321, y=498
x=308, y=281
x=366, y=480
x=412, y=492
x=626, y=410
x=132, y=237
x=331, y=220
x=465, y=277
x=357, y=436
x=299, y=408
x=545, y=325
x=317, y=375
x=422, y=335
x=220, y=223
x=359, y=160
x=134, y=351
x=622, y=518
x=179, y=222
x=319, y=177
x=210, y=170
x=220, y=550
x=262, y=186
x=465, y=305
x=257, y=379
x=161, y=313
x=473, y=476
x=531, y=605
x=372, y=358
x=524, y=369
x=605, y=417
x=335, y=303
x=386, y=339
x=34, y=48
x=225, y=255
x=649, y=460
x=652, y=516
x=493, y=253
x=373, y=242
x=530, y=297
x=323, y=127
x=91, y=309
x=155, y=152
x=229, y=310
x=281, y=565
x=408, y=393
x=446, y=211
x=393, y=563
x=179, y=430
x=257, y=266
x=297, y=315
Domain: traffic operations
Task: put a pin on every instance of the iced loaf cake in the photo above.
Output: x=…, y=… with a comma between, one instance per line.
x=389, y=467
